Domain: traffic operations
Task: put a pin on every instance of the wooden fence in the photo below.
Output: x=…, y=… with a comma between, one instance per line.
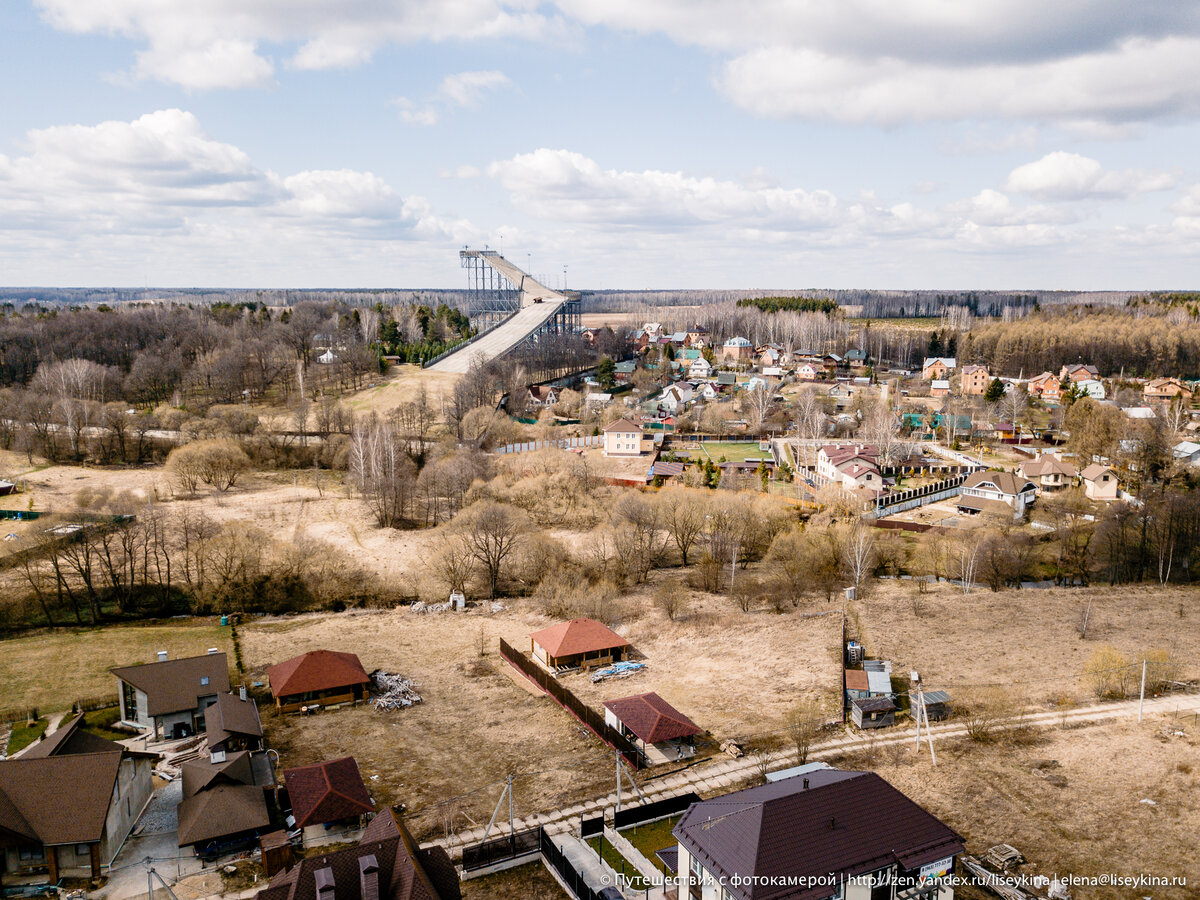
x=572, y=704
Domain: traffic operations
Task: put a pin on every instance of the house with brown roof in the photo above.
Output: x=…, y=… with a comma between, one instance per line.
x=662, y=732
x=68, y=803
x=171, y=696
x=813, y=836
x=232, y=723
x=317, y=679
x=327, y=793
x=975, y=380
x=999, y=492
x=226, y=801
x=1078, y=372
x=625, y=437
x=386, y=864
x=1049, y=472
x=1166, y=389
x=578, y=643
x=1100, y=483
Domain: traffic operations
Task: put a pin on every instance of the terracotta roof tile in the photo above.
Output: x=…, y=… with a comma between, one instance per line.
x=327, y=792
x=577, y=636
x=652, y=718
x=317, y=670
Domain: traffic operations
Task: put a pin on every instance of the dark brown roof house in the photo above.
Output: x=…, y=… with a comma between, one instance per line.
x=225, y=800
x=68, y=803
x=387, y=864
x=232, y=723
x=663, y=732
x=171, y=695
x=805, y=837
x=318, y=678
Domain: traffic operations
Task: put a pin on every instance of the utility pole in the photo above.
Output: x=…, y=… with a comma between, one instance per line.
x=923, y=714
x=508, y=791
x=1142, y=695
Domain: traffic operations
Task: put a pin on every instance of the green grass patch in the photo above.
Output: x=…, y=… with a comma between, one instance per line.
x=23, y=735
x=734, y=451
x=652, y=837
x=52, y=669
x=100, y=721
x=618, y=863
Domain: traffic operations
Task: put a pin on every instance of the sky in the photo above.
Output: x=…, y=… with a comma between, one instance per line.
x=601, y=144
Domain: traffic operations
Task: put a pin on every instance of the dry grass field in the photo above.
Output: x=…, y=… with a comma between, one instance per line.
x=1070, y=800
x=52, y=669
x=737, y=675
x=402, y=384
x=1028, y=638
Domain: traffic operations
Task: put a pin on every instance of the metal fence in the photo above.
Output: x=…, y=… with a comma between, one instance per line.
x=649, y=812
x=591, y=440
x=501, y=849
x=572, y=704
x=591, y=827
x=571, y=877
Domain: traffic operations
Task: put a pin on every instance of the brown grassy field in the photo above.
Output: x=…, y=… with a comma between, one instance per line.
x=1091, y=823
x=735, y=674
x=52, y=669
x=1028, y=638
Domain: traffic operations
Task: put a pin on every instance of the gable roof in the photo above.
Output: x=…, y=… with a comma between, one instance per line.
x=317, y=670
x=229, y=716
x=387, y=851
x=577, y=636
x=1094, y=471
x=950, y=362
x=652, y=718
x=1004, y=482
x=327, y=792
x=222, y=811
x=174, y=685
x=74, y=812
x=826, y=823
x=201, y=774
x=70, y=739
x=622, y=424
x=1047, y=464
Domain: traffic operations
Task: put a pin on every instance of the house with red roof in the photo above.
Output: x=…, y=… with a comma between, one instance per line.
x=579, y=643
x=663, y=733
x=319, y=678
x=327, y=793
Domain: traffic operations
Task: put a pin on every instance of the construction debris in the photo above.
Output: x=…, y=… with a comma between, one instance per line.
x=1003, y=856
x=617, y=670
x=422, y=607
x=391, y=691
x=732, y=749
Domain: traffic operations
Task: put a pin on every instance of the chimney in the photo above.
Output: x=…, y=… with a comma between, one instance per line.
x=212, y=650
x=368, y=877
x=242, y=692
x=324, y=880
x=162, y=655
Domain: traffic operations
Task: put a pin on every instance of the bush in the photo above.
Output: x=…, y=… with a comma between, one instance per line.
x=217, y=462
x=1108, y=671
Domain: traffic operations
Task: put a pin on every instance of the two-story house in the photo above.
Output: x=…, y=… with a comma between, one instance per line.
x=1002, y=492
x=624, y=437
x=170, y=696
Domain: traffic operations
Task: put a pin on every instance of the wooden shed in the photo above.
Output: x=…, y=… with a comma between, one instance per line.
x=873, y=712
x=937, y=704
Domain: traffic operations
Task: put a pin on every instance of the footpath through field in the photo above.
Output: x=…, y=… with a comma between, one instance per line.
x=721, y=774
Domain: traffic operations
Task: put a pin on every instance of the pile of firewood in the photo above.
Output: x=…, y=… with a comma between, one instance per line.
x=391, y=691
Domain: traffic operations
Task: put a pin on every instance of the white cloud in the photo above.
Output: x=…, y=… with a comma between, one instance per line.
x=78, y=190
x=469, y=88
x=566, y=186
x=1134, y=80
x=463, y=89
x=216, y=43
x=1070, y=176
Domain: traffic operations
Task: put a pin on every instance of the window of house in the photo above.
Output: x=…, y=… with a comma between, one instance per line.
x=31, y=853
x=204, y=681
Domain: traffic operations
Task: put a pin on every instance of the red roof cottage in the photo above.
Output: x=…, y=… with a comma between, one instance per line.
x=661, y=731
x=579, y=642
x=327, y=792
x=317, y=678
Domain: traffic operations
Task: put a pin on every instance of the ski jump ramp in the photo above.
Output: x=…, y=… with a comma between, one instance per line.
x=539, y=305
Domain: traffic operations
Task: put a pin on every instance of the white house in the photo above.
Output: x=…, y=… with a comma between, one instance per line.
x=707, y=391
x=1092, y=388
x=700, y=368
x=1100, y=483
x=624, y=438
x=996, y=490
x=809, y=371
x=676, y=397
